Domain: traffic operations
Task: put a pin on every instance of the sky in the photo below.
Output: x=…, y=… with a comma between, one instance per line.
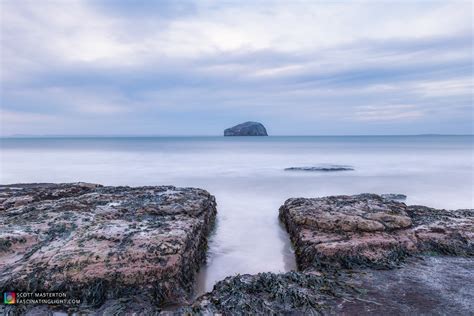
x=111, y=67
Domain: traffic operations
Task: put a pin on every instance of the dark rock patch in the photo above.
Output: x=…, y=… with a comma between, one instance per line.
x=422, y=286
x=322, y=168
x=394, y=197
x=272, y=294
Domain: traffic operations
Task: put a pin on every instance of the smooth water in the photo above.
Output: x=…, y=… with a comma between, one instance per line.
x=246, y=175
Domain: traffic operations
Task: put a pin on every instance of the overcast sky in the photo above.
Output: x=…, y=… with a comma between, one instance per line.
x=195, y=68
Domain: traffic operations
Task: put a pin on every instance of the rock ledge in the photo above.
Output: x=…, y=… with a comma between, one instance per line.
x=98, y=243
x=368, y=230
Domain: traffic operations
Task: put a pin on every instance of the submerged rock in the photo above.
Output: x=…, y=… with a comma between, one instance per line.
x=247, y=129
x=98, y=243
x=323, y=168
x=367, y=230
x=394, y=197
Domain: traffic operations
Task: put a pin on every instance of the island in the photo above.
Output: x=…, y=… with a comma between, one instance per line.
x=246, y=129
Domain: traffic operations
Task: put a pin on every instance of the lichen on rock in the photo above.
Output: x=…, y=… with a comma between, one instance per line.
x=98, y=243
x=368, y=230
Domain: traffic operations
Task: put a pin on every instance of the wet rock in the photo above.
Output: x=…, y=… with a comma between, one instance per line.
x=421, y=286
x=341, y=242
x=270, y=294
x=431, y=285
x=99, y=243
x=247, y=129
x=369, y=231
x=338, y=241
x=322, y=168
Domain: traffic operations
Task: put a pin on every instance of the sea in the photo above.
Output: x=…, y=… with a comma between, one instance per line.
x=248, y=178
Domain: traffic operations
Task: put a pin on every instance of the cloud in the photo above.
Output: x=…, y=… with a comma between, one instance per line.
x=24, y=118
x=322, y=67
x=446, y=88
x=9, y=120
x=387, y=113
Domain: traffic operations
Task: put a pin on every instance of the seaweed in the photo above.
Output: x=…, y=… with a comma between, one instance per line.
x=5, y=245
x=270, y=293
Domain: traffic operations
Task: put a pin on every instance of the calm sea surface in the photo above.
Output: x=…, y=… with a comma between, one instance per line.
x=246, y=175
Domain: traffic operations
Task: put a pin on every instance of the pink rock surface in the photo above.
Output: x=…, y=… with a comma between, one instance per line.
x=98, y=243
x=368, y=230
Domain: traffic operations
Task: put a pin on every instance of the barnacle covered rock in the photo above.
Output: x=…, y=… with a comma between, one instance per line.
x=97, y=242
x=368, y=230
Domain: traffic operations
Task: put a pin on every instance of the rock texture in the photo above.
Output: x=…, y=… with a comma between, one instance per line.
x=369, y=231
x=247, y=129
x=291, y=293
x=431, y=285
x=99, y=243
x=423, y=286
x=134, y=251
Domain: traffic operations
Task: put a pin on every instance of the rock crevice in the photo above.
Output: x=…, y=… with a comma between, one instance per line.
x=360, y=255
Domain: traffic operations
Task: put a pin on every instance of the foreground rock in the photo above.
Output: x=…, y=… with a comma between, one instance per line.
x=269, y=294
x=247, y=129
x=135, y=250
x=369, y=231
x=323, y=168
x=422, y=286
x=99, y=243
x=341, y=242
x=430, y=285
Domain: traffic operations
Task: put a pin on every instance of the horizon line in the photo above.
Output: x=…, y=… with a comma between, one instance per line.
x=208, y=135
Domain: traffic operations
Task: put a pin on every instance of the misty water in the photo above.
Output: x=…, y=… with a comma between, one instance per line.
x=247, y=177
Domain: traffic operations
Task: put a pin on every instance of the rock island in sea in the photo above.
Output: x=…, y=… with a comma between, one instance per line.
x=247, y=129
